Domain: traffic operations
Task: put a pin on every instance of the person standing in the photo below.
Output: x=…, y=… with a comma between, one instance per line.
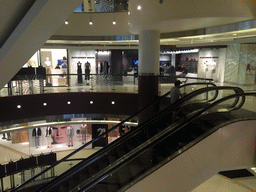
x=175, y=95
x=183, y=70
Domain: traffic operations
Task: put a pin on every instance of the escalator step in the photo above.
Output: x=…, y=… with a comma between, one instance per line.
x=63, y=188
x=82, y=177
x=72, y=183
x=112, y=157
x=104, y=162
x=93, y=168
x=135, y=167
x=146, y=158
x=122, y=150
x=123, y=174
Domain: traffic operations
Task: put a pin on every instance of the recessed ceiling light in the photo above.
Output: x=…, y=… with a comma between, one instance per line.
x=139, y=7
x=114, y=23
x=113, y=102
x=91, y=102
x=90, y=23
x=66, y=22
x=68, y=102
x=200, y=37
x=129, y=13
x=44, y=104
x=254, y=169
x=18, y=106
x=234, y=34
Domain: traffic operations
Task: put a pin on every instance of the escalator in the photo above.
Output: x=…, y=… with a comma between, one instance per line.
x=148, y=146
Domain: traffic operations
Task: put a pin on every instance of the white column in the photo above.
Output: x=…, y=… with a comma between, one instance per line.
x=149, y=52
x=174, y=59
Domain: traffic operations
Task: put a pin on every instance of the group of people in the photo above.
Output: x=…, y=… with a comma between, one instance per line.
x=170, y=69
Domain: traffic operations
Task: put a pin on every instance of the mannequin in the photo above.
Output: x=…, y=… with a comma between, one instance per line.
x=87, y=71
x=49, y=137
x=36, y=133
x=101, y=67
x=105, y=69
x=3, y=136
x=79, y=73
x=83, y=133
x=9, y=137
x=98, y=68
x=48, y=64
x=70, y=133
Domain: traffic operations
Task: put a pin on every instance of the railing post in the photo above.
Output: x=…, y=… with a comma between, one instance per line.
x=96, y=76
x=207, y=93
x=113, y=83
x=9, y=88
x=2, y=185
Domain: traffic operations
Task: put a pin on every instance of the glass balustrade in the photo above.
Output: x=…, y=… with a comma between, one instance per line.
x=95, y=83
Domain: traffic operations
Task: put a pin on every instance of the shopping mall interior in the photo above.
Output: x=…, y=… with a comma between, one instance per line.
x=85, y=95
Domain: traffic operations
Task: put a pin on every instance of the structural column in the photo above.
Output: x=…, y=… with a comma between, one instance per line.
x=149, y=51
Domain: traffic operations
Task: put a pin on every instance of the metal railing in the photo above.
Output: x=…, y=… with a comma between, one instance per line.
x=27, y=85
x=181, y=101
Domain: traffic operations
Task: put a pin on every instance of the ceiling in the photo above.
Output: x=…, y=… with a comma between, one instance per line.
x=217, y=39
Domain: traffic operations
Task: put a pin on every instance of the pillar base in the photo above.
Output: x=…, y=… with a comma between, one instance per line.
x=148, y=93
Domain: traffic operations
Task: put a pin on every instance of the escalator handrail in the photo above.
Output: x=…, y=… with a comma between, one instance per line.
x=177, y=76
x=121, y=163
x=190, y=119
x=202, y=83
x=102, y=135
x=189, y=96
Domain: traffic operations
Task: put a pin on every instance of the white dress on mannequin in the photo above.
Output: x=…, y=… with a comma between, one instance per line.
x=49, y=136
x=70, y=133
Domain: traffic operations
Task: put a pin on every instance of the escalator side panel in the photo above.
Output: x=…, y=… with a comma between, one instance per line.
x=230, y=147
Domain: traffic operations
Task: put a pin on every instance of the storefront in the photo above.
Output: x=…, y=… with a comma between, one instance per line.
x=42, y=138
x=56, y=63
x=240, y=65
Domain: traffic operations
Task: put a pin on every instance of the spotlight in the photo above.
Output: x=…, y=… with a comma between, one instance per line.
x=90, y=23
x=68, y=102
x=66, y=22
x=139, y=7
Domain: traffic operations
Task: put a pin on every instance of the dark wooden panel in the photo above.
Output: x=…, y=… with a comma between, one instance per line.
x=32, y=105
